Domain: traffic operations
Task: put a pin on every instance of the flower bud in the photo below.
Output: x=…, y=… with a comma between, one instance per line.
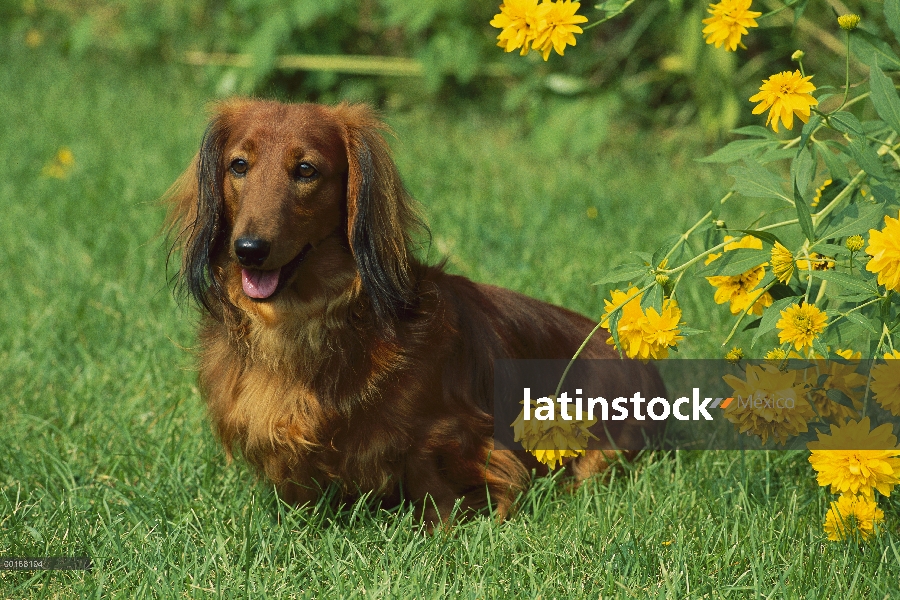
x=855, y=243
x=798, y=55
x=848, y=22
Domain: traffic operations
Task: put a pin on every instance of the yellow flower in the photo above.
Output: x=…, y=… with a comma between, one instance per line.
x=776, y=355
x=61, y=164
x=848, y=22
x=786, y=94
x=33, y=38
x=855, y=243
x=544, y=27
x=734, y=355
x=551, y=441
x=818, y=197
x=884, y=248
x=557, y=27
x=886, y=383
x=518, y=20
x=819, y=262
x=800, y=324
x=855, y=460
x=851, y=517
x=768, y=403
x=729, y=21
x=782, y=263
x=643, y=335
x=740, y=291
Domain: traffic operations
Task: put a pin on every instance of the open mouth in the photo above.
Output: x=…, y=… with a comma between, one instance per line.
x=263, y=285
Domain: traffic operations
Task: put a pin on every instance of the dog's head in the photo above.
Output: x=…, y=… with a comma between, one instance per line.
x=285, y=202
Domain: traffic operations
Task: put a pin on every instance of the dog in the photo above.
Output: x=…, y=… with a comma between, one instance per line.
x=328, y=352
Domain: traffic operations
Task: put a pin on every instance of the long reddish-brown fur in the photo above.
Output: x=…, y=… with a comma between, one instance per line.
x=366, y=368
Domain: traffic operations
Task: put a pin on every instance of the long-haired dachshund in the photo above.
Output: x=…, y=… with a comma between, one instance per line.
x=329, y=353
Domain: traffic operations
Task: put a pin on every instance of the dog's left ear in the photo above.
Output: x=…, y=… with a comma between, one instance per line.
x=380, y=214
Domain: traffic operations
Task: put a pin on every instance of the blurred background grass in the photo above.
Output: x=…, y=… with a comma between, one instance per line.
x=534, y=176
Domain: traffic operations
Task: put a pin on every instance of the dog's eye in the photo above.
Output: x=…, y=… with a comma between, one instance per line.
x=239, y=166
x=305, y=171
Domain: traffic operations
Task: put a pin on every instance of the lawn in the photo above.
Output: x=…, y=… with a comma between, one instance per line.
x=105, y=450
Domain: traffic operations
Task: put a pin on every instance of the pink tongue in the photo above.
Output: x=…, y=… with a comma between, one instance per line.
x=259, y=284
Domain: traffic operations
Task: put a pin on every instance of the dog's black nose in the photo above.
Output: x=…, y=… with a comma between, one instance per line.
x=252, y=252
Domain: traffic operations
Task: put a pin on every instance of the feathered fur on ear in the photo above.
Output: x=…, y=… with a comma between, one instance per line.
x=380, y=214
x=196, y=214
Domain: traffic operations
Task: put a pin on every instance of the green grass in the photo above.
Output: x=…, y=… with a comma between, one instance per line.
x=105, y=450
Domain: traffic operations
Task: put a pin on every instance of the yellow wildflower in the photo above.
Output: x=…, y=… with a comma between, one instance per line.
x=740, y=291
x=884, y=248
x=848, y=22
x=557, y=27
x=729, y=21
x=855, y=460
x=551, y=441
x=785, y=94
x=768, y=403
x=643, y=335
x=886, y=383
x=782, y=263
x=734, y=355
x=518, y=20
x=800, y=324
x=852, y=516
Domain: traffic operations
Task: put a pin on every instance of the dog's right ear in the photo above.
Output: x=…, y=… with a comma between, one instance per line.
x=196, y=219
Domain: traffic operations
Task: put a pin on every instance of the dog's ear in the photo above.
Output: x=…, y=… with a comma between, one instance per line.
x=196, y=218
x=380, y=214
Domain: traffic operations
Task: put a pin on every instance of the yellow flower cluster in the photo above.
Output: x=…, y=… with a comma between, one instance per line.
x=884, y=248
x=741, y=290
x=852, y=517
x=773, y=403
x=527, y=25
x=59, y=167
x=729, y=21
x=856, y=461
x=551, y=441
x=643, y=334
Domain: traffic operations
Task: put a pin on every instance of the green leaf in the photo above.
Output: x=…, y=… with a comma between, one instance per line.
x=861, y=320
x=735, y=262
x=738, y=150
x=820, y=347
x=892, y=16
x=803, y=168
x=854, y=219
x=847, y=282
x=884, y=96
x=686, y=331
x=756, y=181
x=808, y=129
x=846, y=122
x=653, y=297
x=621, y=273
x=613, y=324
x=867, y=159
x=771, y=316
x=836, y=168
x=666, y=247
x=756, y=131
x=803, y=215
x=868, y=47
